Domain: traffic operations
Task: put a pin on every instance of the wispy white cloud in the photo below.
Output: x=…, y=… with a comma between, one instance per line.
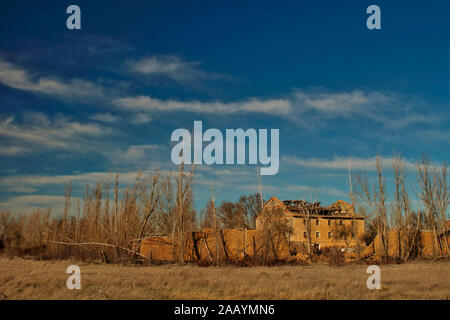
x=338, y=103
x=31, y=183
x=17, y=77
x=343, y=163
x=105, y=117
x=408, y=119
x=314, y=193
x=148, y=104
x=37, y=130
x=29, y=203
x=140, y=118
x=30, y=186
x=12, y=150
x=135, y=154
x=134, y=118
x=388, y=110
x=171, y=67
x=305, y=107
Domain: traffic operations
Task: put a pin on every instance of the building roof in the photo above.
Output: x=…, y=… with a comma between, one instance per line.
x=301, y=208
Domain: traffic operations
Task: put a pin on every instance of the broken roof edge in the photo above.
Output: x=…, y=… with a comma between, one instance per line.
x=343, y=205
x=275, y=199
x=324, y=216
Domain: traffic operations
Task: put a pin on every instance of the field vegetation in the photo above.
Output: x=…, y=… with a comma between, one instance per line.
x=30, y=279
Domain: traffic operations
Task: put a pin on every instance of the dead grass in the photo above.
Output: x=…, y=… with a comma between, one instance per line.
x=29, y=279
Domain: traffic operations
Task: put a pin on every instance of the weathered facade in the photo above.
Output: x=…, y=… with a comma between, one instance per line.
x=426, y=244
x=317, y=222
x=235, y=244
x=210, y=245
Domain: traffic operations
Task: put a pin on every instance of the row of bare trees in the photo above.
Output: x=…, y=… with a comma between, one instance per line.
x=429, y=211
x=110, y=223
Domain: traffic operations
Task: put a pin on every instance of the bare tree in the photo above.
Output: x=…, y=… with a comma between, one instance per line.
x=185, y=214
x=250, y=207
x=231, y=215
x=402, y=218
x=258, y=176
x=240, y=214
x=343, y=232
x=427, y=194
x=150, y=204
x=375, y=196
x=207, y=216
x=276, y=230
x=442, y=203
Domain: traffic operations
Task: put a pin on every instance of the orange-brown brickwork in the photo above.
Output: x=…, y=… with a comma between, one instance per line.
x=321, y=222
x=225, y=244
x=235, y=244
x=426, y=244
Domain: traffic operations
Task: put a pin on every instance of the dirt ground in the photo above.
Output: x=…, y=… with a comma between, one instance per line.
x=29, y=279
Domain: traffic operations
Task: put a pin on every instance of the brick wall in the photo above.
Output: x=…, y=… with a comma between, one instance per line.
x=230, y=244
x=321, y=230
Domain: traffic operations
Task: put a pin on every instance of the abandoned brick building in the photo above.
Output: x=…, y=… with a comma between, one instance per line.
x=321, y=221
x=301, y=217
x=237, y=243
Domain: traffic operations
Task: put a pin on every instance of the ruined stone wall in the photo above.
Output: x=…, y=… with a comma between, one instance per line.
x=226, y=244
x=426, y=245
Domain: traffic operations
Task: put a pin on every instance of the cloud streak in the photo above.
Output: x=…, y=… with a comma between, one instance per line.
x=16, y=77
x=343, y=163
x=253, y=105
x=171, y=67
x=31, y=183
x=304, y=107
x=29, y=203
x=38, y=130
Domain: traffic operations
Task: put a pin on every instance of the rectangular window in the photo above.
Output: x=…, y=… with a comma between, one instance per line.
x=317, y=234
x=304, y=234
x=317, y=222
x=329, y=235
x=340, y=222
x=329, y=222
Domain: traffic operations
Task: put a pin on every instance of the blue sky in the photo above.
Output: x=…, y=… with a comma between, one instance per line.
x=75, y=104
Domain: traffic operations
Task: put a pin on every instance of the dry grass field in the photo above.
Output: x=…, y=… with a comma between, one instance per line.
x=28, y=279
